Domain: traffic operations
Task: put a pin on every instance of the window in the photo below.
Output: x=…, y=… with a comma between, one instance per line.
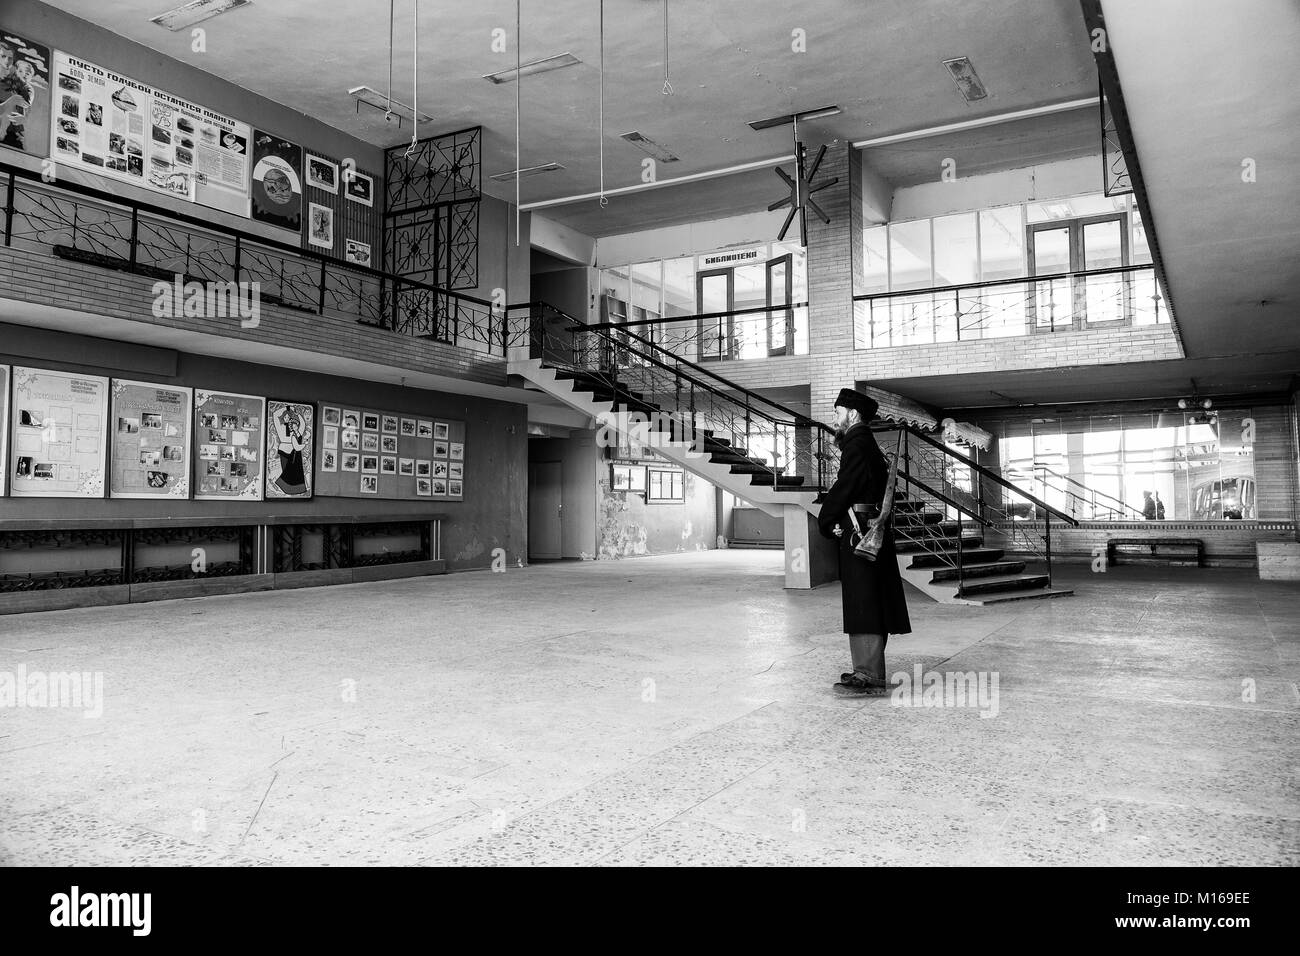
x=666, y=487
x=627, y=478
x=910, y=265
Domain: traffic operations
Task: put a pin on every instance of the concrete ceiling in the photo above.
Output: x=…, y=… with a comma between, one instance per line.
x=730, y=61
x=1208, y=86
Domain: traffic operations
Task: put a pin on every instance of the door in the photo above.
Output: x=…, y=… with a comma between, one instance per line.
x=714, y=293
x=1103, y=244
x=1079, y=245
x=1051, y=302
x=545, y=511
x=780, y=317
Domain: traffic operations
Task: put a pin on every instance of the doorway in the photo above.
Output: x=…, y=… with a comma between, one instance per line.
x=545, y=511
x=1070, y=301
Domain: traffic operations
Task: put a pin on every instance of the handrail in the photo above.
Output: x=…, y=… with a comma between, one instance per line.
x=980, y=469
x=1092, y=491
x=961, y=287
x=801, y=420
x=700, y=315
x=163, y=212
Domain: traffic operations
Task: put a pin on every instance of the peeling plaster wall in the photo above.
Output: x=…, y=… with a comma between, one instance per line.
x=627, y=527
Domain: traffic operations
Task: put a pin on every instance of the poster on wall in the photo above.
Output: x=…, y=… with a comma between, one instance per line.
x=59, y=434
x=4, y=428
x=228, y=446
x=24, y=94
x=277, y=181
x=150, y=425
x=290, y=427
x=320, y=225
x=109, y=124
x=322, y=174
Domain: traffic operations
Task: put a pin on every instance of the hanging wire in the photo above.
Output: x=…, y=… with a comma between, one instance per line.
x=604, y=201
x=388, y=113
x=519, y=96
x=668, y=87
x=415, y=80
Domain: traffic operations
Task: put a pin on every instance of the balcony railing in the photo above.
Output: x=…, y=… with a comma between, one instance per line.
x=80, y=223
x=1123, y=297
x=737, y=335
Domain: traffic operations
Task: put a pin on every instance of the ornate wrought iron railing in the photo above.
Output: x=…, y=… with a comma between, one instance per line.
x=1099, y=298
x=78, y=222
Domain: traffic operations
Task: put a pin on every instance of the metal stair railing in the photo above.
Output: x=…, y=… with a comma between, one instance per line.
x=1095, y=500
x=782, y=442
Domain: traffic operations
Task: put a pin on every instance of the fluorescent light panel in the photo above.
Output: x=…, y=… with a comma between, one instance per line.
x=545, y=65
x=196, y=11
x=789, y=118
x=381, y=102
x=643, y=142
x=526, y=172
x=968, y=82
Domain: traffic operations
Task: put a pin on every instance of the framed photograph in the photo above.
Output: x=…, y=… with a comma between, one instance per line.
x=357, y=252
x=408, y=427
x=439, y=449
x=457, y=451
x=320, y=225
x=323, y=174
x=390, y=424
x=329, y=460
x=388, y=444
x=440, y=469
x=440, y=431
x=369, y=485
x=370, y=443
x=423, y=468
x=454, y=489
x=388, y=465
x=351, y=462
x=331, y=416
x=424, y=429
x=359, y=187
x=423, y=487
x=406, y=466
x=456, y=470
x=439, y=488
x=350, y=439
x=370, y=421
x=370, y=464
x=330, y=437
x=351, y=419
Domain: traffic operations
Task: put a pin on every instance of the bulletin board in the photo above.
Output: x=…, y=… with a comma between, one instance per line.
x=228, y=445
x=151, y=440
x=372, y=453
x=59, y=431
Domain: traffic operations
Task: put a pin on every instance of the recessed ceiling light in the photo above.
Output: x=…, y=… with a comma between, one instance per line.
x=379, y=101
x=544, y=65
x=526, y=172
x=644, y=142
x=788, y=118
x=196, y=11
x=968, y=83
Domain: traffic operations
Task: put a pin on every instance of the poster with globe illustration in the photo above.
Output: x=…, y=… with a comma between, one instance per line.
x=277, y=181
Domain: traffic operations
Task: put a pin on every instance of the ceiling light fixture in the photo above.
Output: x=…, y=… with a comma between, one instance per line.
x=968, y=82
x=512, y=174
x=545, y=65
x=196, y=11
x=383, y=104
x=788, y=118
x=645, y=143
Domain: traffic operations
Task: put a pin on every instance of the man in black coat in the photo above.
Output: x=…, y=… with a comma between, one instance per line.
x=871, y=591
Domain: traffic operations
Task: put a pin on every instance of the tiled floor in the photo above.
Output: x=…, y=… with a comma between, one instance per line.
x=658, y=711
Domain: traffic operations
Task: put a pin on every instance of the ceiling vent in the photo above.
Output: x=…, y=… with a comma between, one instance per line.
x=968, y=83
x=645, y=143
x=196, y=11
x=526, y=172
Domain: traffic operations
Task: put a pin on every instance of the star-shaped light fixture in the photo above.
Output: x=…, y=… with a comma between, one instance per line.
x=801, y=186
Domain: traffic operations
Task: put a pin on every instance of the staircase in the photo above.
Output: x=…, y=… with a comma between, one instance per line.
x=699, y=420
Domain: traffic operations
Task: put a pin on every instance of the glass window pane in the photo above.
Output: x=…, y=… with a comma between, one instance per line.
x=750, y=292
x=647, y=287
x=614, y=285
x=956, y=254
x=909, y=251
x=1141, y=254
x=1002, y=244
x=875, y=242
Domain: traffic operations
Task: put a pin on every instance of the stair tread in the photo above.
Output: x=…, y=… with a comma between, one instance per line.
x=1025, y=576
x=1025, y=594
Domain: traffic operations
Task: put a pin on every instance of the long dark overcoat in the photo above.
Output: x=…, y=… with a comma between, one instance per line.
x=872, y=592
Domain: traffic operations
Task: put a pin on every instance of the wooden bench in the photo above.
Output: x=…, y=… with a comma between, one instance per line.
x=1187, y=552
